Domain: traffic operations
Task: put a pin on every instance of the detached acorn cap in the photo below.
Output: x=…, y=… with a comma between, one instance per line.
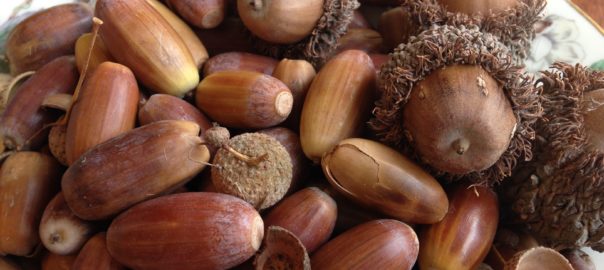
x=512, y=26
x=323, y=40
x=282, y=250
x=560, y=196
x=262, y=184
x=444, y=46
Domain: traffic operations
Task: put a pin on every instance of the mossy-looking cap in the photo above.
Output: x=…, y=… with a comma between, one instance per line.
x=442, y=46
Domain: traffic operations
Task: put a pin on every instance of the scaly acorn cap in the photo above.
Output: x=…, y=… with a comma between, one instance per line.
x=442, y=46
x=558, y=196
x=513, y=26
x=319, y=46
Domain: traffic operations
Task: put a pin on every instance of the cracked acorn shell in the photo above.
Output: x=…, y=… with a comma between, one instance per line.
x=133, y=167
x=306, y=30
x=558, y=196
x=138, y=37
x=489, y=138
x=197, y=230
x=379, y=177
x=46, y=35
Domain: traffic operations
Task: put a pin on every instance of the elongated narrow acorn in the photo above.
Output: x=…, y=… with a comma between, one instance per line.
x=94, y=255
x=28, y=181
x=244, y=99
x=60, y=230
x=379, y=177
x=379, y=244
x=187, y=231
x=106, y=107
x=46, y=35
x=337, y=103
x=140, y=38
x=22, y=123
x=309, y=214
x=134, y=167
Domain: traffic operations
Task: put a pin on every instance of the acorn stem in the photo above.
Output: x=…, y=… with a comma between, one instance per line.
x=55, y=238
x=256, y=4
x=245, y=158
x=461, y=146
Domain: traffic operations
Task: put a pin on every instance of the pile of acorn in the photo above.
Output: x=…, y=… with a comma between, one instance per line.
x=376, y=134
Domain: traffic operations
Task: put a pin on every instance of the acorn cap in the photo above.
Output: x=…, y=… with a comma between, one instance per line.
x=262, y=184
x=558, y=197
x=513, y=26
x=323, y=40
x=282, y=250
x=447, y=46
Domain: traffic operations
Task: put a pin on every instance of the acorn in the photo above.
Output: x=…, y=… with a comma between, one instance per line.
x=464, y=237
x=310, y=214
x=28, y=181
x=363, y=39
x=56, y=143
x=538, y=258
x=469, y=112
x=239, y=61
x=106, y=107
x=22, y=123
x=46, y=35
x=134, y=167
x=396, y=27
x=60, y=230
x=166, y=107
x=99, y=53
x=281, y=250
x=196, y=48
x=141, y=39
x=297, y=75
x=312, y=34
x=252, y=166
x=95, y=255
x=52, y=261
x=510, y=21
x=338, y=103
x=379, y=244
x=244, y=99
x=186, y=231
x=202, y=13
x=380, y=178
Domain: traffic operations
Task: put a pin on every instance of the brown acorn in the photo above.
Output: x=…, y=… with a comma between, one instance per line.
x=379, y=244
x=380, y=178
x=52, y=261
x=134, y=167
x=106, y=107
x=186, y=231
x=239, y=61
x=95, y=255
x=363, y=39
x=309, y=214
x=166, y=107
x=297, y=75
x=46, y=35
x=60, y=230
x=99, y=53
x=337, y=103
x=244, y=99
x=28, y=181
x=56, y=143
x=22, y=123
x=141, y=39
x=395, y=26
x=464, y=237
x=196, y=48
x=281, y=250
x=202, y=13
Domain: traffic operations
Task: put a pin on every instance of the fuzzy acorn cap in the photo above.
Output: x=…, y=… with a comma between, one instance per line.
x=442, y=46
x=263, y=184
x=513, y=26
x=559, y=196
x=319, y=46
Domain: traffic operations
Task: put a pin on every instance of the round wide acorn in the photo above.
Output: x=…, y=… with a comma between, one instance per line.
x=453, y=99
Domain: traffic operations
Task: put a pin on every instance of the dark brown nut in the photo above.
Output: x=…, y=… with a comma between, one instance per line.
x=94, y=255
x=166, y=107
x=239, y=61
x=201, y=13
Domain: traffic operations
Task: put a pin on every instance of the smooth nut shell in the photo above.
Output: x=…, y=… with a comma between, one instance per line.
x=166, y=107
x=338, y=103
x=379, y=244
x=239, y=61
x=244, y=99
x=364, y=39
x=28, y=181
x=99, y=53
x=52, y=261
x=133, y=167
x=297, y=75
x=381, y=178
x=205, y=231
x=200, y=13
x=46, y=35
x=395, y=27
x=94, y=255
x=106, y=107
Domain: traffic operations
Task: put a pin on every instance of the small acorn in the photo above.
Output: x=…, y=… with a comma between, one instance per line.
x=297, y=75
x=204, y=14
x=311, y=34
x=252, y=166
